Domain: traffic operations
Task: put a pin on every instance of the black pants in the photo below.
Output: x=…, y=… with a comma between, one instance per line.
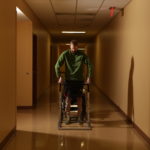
x=73, y=89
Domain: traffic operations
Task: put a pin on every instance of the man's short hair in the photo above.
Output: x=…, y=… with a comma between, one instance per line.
x=74, y=42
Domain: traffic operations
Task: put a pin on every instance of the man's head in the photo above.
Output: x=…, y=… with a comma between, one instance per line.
x=74, y=45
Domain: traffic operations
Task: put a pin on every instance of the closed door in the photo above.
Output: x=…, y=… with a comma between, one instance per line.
x=24, y=63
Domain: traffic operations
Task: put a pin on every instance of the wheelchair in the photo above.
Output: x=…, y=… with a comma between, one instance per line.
x=74, y=125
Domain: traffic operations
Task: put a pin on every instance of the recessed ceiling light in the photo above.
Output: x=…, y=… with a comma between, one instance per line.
x=73, y=32
x=67, y=43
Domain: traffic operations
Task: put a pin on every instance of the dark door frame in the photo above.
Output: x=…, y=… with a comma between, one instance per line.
x=34, y=70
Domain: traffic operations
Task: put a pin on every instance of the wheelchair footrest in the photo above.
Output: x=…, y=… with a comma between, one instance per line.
x=74, y=106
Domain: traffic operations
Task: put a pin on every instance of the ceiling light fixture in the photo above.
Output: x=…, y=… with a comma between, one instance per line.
x=73, y=32
x=18, y=11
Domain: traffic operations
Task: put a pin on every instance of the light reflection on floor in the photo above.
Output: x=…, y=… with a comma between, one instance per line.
x=37, y=128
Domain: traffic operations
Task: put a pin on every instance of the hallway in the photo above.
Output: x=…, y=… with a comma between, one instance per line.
x=104, y=43
x=37, y=128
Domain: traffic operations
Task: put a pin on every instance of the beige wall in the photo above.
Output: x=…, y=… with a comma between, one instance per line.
x=7, y=67
x=122, y=61
x=8, y=61
x=44, y=42
x=24, y=62
x=43, y=72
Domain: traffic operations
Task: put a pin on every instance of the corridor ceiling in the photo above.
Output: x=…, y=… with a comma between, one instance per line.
x=78, y=15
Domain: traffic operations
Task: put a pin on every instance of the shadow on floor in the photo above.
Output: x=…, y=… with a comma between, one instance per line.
x=109, y=118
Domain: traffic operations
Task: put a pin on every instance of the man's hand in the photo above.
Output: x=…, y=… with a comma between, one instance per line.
x=60, y=80
x=88, y=81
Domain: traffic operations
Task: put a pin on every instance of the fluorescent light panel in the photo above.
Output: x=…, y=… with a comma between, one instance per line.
x=73, y=32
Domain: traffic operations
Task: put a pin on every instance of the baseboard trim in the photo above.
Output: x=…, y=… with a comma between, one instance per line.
x=6, y=139
x=25, y=107
x=138, y=129
x=135, y=126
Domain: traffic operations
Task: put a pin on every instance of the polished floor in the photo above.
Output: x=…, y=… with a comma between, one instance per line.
x=37, y=128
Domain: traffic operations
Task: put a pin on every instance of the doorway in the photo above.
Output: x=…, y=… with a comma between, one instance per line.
x=34, y=76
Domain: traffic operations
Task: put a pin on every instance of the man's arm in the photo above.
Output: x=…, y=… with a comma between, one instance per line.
x=58, y=65
x=89, y=66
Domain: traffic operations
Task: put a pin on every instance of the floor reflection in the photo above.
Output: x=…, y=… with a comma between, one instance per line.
x=37, y=128
x=24, y=140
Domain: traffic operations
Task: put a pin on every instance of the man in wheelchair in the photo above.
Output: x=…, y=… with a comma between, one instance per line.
x=74, y=78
